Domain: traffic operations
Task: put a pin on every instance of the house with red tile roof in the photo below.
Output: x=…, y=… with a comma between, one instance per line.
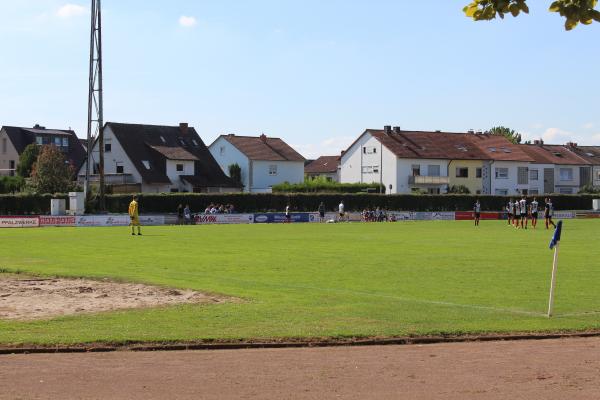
x=592, y=155
x=264, y=161
x=324, y=166
x=409, y=161
x=157, y=159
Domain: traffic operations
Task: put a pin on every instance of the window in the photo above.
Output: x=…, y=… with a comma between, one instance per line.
x=4, y=146
x=523, y=175
x=222, y=150
x=370, y=150
x=533, y=175
x=11, y=167
x=478, y=173
x=179, y=167
x=534, y=191
x=566, y=174
x=272, y=170
x=501, y=192
x=375, y=169
x=107, y=147
x=462, y=172
x=433, y=190
x=416, y=170
x=367, y=169
x=39, y=140
x=502, y=173
x=433, y=170
x=565, y=191
x=195, y=143
x=57, y=141
x=146, y=164
x=162, y=139
x=120, y=169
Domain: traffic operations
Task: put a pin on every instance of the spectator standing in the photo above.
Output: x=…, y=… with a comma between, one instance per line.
x=180, y=214
x=187, y=215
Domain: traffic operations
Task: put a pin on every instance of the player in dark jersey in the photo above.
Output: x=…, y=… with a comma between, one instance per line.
x=548, y=211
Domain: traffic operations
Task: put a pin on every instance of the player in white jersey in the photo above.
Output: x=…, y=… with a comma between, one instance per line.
x=517, y=214
x=510, y=210
x=477, y=212
x=523, y=210
x=342, y=211
x=534, y=212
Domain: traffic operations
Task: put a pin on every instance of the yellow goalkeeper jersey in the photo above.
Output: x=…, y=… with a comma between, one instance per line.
x=133, y=209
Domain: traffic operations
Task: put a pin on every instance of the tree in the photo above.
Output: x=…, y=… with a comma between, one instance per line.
x=27, y=159
x=508, y=133
x=458, y=189
x=235, y=173
x=574, y=11
x=52, y=173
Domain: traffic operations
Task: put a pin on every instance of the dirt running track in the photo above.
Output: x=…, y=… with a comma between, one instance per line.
x=551, y=369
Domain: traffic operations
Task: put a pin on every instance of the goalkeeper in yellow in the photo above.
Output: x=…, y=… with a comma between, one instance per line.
x=134, y=214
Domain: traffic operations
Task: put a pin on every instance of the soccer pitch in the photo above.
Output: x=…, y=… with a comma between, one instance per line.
x=317, y=281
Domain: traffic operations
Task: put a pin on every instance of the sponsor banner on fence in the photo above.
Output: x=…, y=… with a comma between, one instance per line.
x=268, y=218
x=470, y=215
x=19, y=222
x=46, y=220
x=152, y=220
x=562, y=214
x=213, y=219
x=421, y=216
x=103, y=220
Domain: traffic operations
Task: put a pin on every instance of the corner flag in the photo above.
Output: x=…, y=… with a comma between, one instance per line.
x=554, y=244
x=556, y=237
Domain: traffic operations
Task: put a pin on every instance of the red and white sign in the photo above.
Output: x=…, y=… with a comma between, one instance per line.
x=57, y=221
x=19, y=222
x=213, y=219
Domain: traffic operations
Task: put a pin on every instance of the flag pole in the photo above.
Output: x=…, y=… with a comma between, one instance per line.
x=553, y=283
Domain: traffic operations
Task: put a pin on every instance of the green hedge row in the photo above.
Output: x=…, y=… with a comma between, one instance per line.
x=167, y=203
x=27, y=204
x=323, y=186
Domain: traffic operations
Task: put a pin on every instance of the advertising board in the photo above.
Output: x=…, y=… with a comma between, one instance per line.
x=268, y=218
x=19, y=222
x=217, y=219
x=46, y=220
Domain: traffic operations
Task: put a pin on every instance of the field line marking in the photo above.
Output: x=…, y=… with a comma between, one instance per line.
x=577, y=314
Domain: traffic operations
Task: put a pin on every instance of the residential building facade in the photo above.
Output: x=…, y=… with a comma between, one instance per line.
x=264, y=161
x=327, y=167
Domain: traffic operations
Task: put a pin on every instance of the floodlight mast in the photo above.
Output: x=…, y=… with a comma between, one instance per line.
x=95, y=128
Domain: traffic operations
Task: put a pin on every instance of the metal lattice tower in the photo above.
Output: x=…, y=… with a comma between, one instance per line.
x=95, y=103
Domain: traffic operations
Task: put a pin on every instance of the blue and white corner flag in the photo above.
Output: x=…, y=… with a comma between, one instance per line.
x=556, y=237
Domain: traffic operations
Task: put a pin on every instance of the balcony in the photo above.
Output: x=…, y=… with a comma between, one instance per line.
x=428, y=180
x=111, y=179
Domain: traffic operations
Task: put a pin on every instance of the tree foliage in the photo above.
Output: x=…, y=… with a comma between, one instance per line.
x=574, y=11
x=235, y=173
x=52, y=173
x=27, y=159
x=458, y=189
x=508, y=133
x=11, y=184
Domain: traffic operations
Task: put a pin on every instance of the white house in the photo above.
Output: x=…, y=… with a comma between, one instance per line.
x=157, y=159
x=263, y=161
x=592, y=155
x=327, y=167
x=408, y=161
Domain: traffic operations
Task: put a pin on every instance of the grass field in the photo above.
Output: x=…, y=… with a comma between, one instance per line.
x=315, y=281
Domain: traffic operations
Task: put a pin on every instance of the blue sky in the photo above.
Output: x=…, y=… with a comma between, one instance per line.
x=316, y=73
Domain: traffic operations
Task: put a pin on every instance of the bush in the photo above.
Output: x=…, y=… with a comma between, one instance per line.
x=11, y=184
x=589, y=189
x=24, y=204
x=322, y=185
x=459, y=189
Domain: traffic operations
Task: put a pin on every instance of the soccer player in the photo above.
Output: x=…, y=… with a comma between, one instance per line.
x=517, y=214
x=342, y=211
x=134, y=215
x=288, y=216
x=322, y=212
x=548, y=211
x=534, y=212
x=523, y=209
x=510, y=209
x=477, y=212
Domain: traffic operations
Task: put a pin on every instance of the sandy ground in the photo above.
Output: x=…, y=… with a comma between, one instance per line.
x=548, y=370
x=23, y=298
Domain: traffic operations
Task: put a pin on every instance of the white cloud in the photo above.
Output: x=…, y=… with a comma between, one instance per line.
x=71, y=10
x=328, y=147
x=187, y=22
x=561, y=136
x=589, y=125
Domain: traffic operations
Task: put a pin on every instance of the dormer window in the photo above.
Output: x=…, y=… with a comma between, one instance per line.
x=195, y=143
x=182, y=142
x=146, y=164
x=162, y=138
x=39, y=140
x=557, y=154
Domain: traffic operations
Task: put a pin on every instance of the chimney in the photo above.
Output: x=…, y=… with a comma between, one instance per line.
x=38, y=126
x=183, y=128
x=471, y=131
x=571, y=145
x=397, y=129
x=387, y=129
x=263, y=137
x=343, y=152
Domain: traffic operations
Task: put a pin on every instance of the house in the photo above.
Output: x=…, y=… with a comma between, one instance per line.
x=410, y=161
x=14, y=140
x=157, y=159
x=592, y=155
x=556, y=169
x=264, y=161
x=324, y=166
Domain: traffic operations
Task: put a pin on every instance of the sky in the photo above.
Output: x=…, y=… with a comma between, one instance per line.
x=316, y=73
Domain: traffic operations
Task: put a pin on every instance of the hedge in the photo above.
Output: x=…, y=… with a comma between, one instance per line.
x=167, y=203
x=322, y=186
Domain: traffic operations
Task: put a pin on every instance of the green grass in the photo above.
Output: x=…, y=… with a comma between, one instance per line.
x=315, y=281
